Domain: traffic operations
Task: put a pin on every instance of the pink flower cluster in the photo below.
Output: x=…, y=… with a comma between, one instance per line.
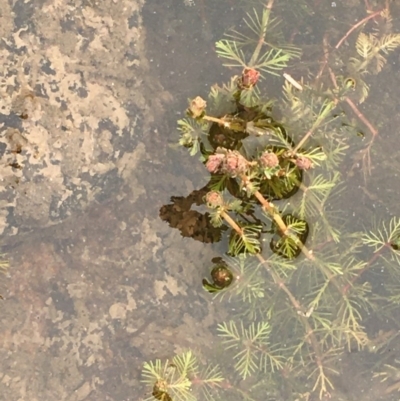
x=214, y=199
x=197, y=107
x=215, y=162
x=229, y=162
x=269, y=159
x=249, y=78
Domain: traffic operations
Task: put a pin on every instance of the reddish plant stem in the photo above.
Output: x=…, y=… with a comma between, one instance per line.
x=361, y=117
x=367, y=6
x=354, y=27
x=358, y=113
x=325, y=60
x=364, y=120
x=270, y=4
x=338, y=44
x=355, y=109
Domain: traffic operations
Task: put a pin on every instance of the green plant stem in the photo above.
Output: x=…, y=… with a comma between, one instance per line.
x=234, y=125
x=232, y=222
x=219, y=121
x=301, y=311
x=317, y=123
x=277, y=280
x=261, y=38
x=276, y=216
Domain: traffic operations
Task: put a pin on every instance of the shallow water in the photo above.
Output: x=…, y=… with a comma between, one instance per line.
x=98, y=284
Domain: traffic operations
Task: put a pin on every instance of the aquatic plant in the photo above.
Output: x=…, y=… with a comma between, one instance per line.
x=181, y=378
x=300, y=279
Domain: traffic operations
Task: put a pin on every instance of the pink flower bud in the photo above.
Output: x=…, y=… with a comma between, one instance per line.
x=249, y=78
x=235, y=164
x=214, y=199
x=214, y=162
x=197, y=107
x=269, y=159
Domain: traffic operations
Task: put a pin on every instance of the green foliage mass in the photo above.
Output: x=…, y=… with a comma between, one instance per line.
x=181, y=379
x=305, y=282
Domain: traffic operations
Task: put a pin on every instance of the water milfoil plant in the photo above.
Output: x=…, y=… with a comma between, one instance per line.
x=299, y=277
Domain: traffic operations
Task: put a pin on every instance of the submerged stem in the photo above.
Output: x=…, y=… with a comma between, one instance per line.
x=261, y=38
x=283, y=228
x=231, y=222
x=301, y=311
